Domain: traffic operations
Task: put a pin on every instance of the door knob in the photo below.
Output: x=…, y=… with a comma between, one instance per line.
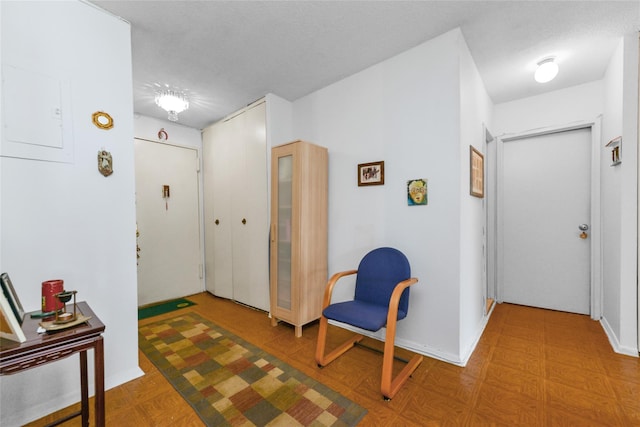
x=244, y=221
x=216, y=222
x=583, y=228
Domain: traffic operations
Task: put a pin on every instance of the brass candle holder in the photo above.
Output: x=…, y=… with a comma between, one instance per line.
x=62, y=316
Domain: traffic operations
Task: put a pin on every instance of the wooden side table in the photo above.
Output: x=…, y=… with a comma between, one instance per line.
x=48, y=347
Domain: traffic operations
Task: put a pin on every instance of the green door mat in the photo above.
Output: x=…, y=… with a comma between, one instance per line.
x=163, y=307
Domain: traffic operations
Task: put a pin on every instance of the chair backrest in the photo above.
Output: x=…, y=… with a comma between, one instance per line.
x=378, y=273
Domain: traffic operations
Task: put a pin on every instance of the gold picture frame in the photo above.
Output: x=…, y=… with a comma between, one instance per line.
x=102, y=120
x=371, y=173
x=476, y=172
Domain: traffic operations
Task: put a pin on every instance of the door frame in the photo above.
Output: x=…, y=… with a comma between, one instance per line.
x=490, y=247
x=596, y=242
x=198, y=167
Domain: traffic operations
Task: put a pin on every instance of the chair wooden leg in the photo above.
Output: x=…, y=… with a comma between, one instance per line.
x=321, y=358
x=390, y=385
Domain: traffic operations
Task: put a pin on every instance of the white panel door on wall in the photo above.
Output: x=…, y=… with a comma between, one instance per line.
x=546, y=198
x=250, y=212
x=169, y=227
x=236, y=208
x=217, y=209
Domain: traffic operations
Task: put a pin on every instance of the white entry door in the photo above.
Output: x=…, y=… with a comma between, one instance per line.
x=545, y=202
x=168, y=222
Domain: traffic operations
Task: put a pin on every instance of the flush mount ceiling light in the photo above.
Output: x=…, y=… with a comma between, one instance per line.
x=173, y=102
x=547, y=70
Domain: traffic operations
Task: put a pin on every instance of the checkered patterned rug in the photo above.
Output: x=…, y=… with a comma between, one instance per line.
x=229, y=381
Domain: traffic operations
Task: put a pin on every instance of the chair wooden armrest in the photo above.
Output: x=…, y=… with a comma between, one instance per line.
x=395, y=299
x=321, y=358
x=390, y=385
x=328, y=290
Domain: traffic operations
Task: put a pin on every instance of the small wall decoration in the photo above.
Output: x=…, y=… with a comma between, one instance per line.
x=476, y=173
x=417, y=192
x=137, y=244
x=166, y=193
x=371, y=173
x=105, y=163
x=102, y=120
x=616, y=150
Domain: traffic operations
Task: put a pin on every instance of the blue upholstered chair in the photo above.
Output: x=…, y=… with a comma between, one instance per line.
x=381, y=299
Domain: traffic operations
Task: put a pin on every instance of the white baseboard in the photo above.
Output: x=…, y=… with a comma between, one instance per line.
x=121, y=378
x=458, y=360
x=466, y=354
x=62, y=400
x=613, y=340
x=406, y=344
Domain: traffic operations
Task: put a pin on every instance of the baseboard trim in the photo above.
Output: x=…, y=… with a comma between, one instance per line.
x=406, y=344
x=613, y=340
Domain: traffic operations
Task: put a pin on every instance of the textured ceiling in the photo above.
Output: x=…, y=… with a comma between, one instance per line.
x=226, y=54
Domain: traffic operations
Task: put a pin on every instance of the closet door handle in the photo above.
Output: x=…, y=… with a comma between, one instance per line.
x=216, y=222
x=244, y=221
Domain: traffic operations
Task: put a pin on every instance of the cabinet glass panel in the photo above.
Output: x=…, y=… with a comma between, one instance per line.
x=285, y=191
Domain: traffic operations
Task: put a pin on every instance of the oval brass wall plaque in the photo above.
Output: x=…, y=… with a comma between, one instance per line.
x=102, y=120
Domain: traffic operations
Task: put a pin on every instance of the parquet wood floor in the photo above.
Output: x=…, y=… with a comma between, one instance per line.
x=531, y=367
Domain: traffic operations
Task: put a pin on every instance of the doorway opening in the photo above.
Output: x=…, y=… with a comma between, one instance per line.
x=489, y=250
x=518, y=237
x=168, y=221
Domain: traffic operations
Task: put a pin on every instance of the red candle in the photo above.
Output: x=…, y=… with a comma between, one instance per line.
x=49, y=290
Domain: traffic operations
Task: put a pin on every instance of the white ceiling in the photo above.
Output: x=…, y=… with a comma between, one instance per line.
x=226, y=54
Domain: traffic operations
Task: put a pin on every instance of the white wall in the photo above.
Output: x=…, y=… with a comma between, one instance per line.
x=405, y=111
x=629, y=203
x=279, y=129
x=619, y=193
x=476, y=110
x=611, y=195
x=66, y=220
x=183, y=136
x=1, y=139
x=279, y=121
x=561, y=107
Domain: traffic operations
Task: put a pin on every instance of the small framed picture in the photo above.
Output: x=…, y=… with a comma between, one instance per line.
x=616, y=150
x=417, y=192
x=476, y=173
x=371, y=173
x=12, y=297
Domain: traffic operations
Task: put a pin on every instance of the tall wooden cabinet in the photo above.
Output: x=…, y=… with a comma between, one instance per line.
x=236, y=207
x=299, y=187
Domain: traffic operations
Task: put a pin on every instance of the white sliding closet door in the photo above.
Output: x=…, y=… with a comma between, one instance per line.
x=236, y=207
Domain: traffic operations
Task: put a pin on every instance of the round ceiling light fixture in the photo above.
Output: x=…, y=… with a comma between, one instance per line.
x=547, y=70
x=173, y=102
